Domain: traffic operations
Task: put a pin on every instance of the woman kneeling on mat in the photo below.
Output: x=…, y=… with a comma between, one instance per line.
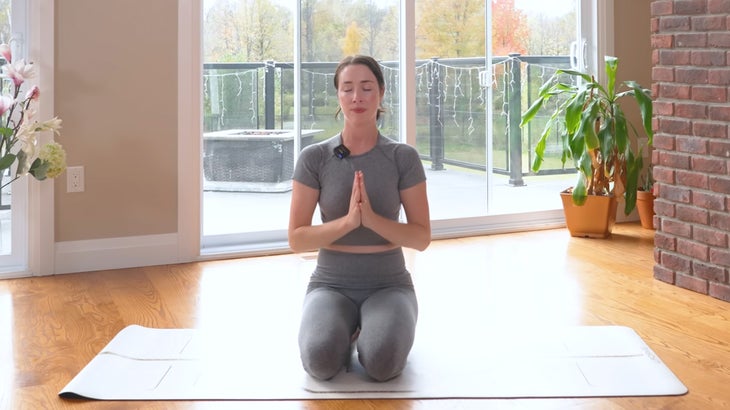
x=360, y=292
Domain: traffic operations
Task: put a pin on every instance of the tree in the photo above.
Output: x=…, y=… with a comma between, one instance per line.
x=456, y=28
x=219, y=42
x=551, y=35
x=330, y=19
x=307, y=29
x=248, y=30
x=268, y=32
x=509, y=28
x=384, y=42
x=379, y=28
x=450, y=28
x=353, y=39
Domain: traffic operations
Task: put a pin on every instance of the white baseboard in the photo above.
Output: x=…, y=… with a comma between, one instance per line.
x=150, y=250
x=497, y=224
x=116, y=253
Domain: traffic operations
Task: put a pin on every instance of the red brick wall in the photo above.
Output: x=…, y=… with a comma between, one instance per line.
x=691, y=157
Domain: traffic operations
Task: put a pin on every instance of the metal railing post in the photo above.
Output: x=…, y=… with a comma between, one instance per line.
x=514, y=110
x=517, y=142
x=435, y=103
x=269, y=95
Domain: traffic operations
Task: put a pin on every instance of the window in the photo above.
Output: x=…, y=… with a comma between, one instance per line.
x=265, y=97
x=13, y=198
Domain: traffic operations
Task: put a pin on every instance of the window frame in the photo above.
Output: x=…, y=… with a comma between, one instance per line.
x=16, y=263
x=33, y=217
x=596, y=19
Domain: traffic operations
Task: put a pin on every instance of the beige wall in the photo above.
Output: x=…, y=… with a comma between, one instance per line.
x=116, y=91
x=632, y=40
x=632, y=45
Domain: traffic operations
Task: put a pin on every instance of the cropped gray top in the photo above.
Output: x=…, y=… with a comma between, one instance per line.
x=388, y=168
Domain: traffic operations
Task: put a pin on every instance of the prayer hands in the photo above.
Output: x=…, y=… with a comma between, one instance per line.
x=361, y=212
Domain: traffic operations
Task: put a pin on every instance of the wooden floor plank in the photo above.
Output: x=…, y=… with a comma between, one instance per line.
x=50, y=327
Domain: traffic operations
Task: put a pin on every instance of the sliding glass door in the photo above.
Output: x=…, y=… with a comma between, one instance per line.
x=13, y=198
x=268, y=92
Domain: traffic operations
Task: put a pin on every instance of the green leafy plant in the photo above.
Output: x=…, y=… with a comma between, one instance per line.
x=594, y=132
x=647, y=180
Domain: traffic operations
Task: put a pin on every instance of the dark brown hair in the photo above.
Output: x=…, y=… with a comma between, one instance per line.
x=368, y=62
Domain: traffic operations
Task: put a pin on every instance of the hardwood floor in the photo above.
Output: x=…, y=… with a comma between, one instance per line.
x=50, y=327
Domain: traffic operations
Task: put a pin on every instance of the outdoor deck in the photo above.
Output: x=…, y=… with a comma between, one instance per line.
x=453, y=193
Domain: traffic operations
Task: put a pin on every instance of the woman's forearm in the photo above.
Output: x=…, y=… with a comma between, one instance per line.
x=409, y=235
x=311, y=237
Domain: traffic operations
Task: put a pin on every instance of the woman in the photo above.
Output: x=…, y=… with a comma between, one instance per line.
x=360, y=292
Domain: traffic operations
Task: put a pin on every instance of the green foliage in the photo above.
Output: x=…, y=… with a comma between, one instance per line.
x=594, y=131
x=450, y=28
x=39, y=169
x=256, y=30
x=647, y=179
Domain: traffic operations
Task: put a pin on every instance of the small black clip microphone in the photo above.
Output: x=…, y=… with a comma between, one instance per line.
x=341, y=151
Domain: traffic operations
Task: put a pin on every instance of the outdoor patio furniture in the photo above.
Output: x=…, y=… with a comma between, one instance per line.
x=250, y=160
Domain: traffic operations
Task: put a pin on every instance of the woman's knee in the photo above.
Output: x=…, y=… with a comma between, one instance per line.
x=322, y=360
x=388, y=329
x=383, y=363
x=328, y=321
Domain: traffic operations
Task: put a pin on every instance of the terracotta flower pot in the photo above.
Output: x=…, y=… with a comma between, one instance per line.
x=594, y=219
x=645, y=206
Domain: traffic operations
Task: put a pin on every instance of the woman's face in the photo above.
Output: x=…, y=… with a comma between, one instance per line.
x=358, y=93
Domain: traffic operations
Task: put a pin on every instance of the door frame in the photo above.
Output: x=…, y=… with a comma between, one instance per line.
x=600, y=16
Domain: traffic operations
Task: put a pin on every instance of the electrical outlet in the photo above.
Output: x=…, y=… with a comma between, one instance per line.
x=75, y=179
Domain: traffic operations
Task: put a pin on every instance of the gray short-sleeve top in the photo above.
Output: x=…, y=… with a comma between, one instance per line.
x=388, y=168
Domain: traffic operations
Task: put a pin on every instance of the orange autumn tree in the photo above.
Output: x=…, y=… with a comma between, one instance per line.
x=509, y=28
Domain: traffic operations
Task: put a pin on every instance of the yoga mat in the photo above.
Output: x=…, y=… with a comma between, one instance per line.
x=142, y=363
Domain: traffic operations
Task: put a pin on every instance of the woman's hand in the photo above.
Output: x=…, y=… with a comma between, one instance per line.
x=353, y=217
x=367, y=215
x=360, y=211
x=415, y=233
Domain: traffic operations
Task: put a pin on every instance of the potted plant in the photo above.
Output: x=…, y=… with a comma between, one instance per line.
x=596, y=136
x=645, y=200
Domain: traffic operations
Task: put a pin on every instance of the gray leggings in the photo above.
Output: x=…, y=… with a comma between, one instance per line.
x=332, y=316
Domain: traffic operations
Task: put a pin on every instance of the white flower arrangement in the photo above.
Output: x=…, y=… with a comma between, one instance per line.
x=19, y=128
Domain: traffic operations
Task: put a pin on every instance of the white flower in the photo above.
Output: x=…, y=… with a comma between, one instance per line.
x=6, y=103
x=54, y=124
x=25, y=134
x=19, y=128
x=18, y=71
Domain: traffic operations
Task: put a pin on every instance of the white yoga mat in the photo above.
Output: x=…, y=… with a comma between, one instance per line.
x=184, y=364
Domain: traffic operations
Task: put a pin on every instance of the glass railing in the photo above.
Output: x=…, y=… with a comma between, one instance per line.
x=451, y=106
